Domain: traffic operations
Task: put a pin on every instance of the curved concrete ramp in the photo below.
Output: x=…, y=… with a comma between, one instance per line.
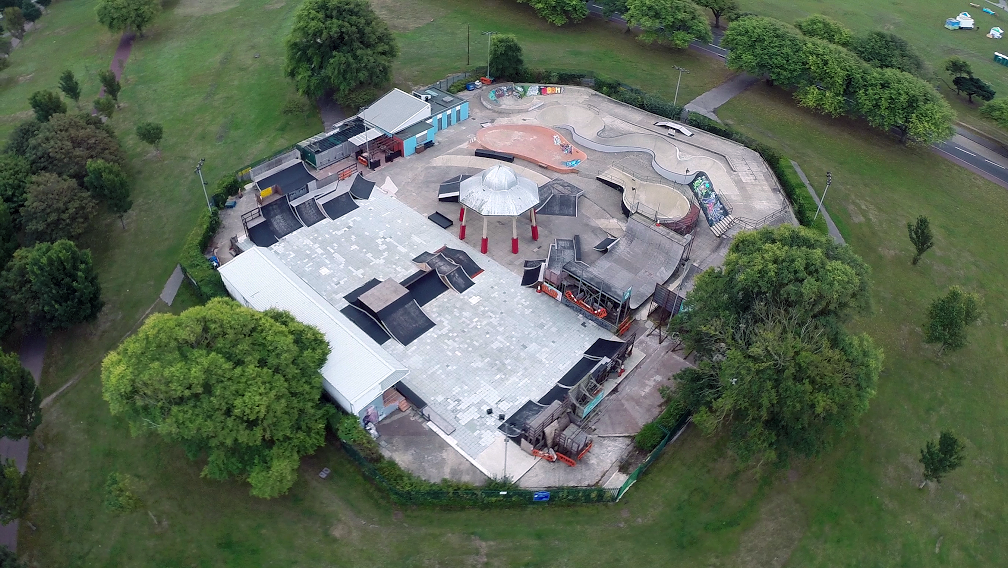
x=654, y=200
x=533, y=143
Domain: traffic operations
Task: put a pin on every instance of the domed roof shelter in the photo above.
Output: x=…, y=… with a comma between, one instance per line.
x=499, y=192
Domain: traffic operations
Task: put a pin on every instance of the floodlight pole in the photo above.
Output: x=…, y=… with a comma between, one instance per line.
x=829, y=179
x=489, y=37
x=467, y=45
x=199, y=170
x=681, y=71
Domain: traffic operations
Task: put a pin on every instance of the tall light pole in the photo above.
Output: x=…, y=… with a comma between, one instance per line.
x=681, y=71
x=199, y=170
x=489, y=37
x=829, y=179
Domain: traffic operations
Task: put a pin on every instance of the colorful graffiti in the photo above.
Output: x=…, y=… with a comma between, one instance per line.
x=544, y=90
x=713, y=209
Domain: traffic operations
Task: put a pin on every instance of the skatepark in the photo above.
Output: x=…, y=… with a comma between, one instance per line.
x=489, y=345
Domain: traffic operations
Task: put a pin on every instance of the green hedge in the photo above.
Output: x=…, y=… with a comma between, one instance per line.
x=655, y=431
x=608, y=87
x=201, y=273
x=802, y=203
x=227, y=186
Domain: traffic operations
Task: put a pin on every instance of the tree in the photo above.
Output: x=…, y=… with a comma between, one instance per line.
x=45, y=104
x=889, y=51
x=14, y=22
x=8, y=236
x=52, y=286
x=105, y=106
x=672, y=22
x=996, y=110
x=20, y=398
x=941, y=458
x=559, y=12
x=110, y=83
x=14, y=176
x=612, y=7
x=151, y=133
x=826, y=29
x=44, y=3
x=890, y=98
x=238, y=386
x=107, y=182
x=766, y=48
x=13, y=492
x=973, y=86
x=56, y=208
x=776, y=367
x=337, y=46
x=958, y=67
x=30, y=11
x=727, y=8
x=949, y=316
x=64, y=145
x=121, y=15
x=506, y=59
x=8, y=559
x=17, y=142
x=69, y=85
x=920, y=236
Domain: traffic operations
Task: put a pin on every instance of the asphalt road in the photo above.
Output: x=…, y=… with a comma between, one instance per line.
x=957, y=149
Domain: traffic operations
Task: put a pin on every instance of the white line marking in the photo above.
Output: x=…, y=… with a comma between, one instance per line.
x=995, y=163
x=967, y=152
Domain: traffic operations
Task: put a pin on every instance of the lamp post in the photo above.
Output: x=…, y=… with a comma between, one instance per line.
x=199, y=170
x=681, y=71
x=829, y=179
x=489, y=37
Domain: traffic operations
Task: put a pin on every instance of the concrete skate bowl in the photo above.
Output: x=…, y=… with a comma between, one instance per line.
x=536, y=144
x=656, y=201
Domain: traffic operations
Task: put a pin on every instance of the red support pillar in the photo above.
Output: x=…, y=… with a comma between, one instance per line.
x=462, y=213
x=514, y=235
x=462, y=227
x=535, y=228
x=484, y=242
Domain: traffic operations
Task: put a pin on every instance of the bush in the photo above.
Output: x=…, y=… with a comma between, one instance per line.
x=649, y=437
x=227, y=186
x=996, y=110
x=349, y=430
x=119, y=497
x=201, y=273
x=458, y=86
x=638, y=98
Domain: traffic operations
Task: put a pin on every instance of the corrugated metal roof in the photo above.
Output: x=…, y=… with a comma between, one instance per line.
x=356, y=366
x=498, y=191
x=395, y=111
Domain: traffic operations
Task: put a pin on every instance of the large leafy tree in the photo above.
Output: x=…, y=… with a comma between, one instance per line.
x=17, y=142
x=20, y=398
x=973, y=86
x=14, y=21
x=777, y=369
x=612, y=7
x=56, y=208
x=671, y=22
x=958, y=67
x=108, y=183
x=52, y=286
x=890, y=98
x=942, y=457
x=337, y=46
x=64, y=145
x=237, y=386
x=506, y=59
x=559, y=12
x=14, y=487
x=45, y=104
x=826, y=29
x=30, y=11
x=996, y=110
x=949, y=316
x=122, y=15
x=8, y=235
x=888, y=51
x=719, y=8
x=9, y=559
x=14, y=175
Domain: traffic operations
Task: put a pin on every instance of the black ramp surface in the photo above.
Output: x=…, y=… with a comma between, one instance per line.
x=440, y=220
x=458, y=280
x=558, y=197
x=339, y=206
x=558, y=392
x=289, y=179
x=577, y=372
x=405, y=320
x=531, y=274
x=366, y=323
x=361, y=188
x=462, y=259
x=262, y=235
x=513, y=425
x=603, y=348
x=605, y=244
x=424, y=286
x=281, y=218
x=309, y=212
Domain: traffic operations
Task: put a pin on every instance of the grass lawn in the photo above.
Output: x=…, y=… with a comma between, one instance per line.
x=923, y=25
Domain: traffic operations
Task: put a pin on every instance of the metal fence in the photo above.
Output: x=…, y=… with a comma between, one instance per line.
x=670, y=436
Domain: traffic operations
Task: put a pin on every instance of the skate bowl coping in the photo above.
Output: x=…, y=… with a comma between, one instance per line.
x=537, y=144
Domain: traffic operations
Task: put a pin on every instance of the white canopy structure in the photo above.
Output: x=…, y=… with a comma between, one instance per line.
x=965, y=21
x=499, y=192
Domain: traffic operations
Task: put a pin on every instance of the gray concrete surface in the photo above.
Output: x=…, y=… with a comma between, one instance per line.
x=830, y=225
x=707, y=103
x=406, y=439
x=171, y=287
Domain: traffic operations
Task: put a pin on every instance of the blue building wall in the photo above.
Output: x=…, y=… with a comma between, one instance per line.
x=409, y=146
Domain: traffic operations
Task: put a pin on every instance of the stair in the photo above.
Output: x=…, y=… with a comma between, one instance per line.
x=723, y=225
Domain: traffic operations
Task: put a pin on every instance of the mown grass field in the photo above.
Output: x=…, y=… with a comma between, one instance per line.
x=196, y=72
x=923, y=25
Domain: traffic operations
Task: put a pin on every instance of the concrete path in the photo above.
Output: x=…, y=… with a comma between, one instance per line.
x=833, y=231
x=331, y=112
x=708, y=102
x=119, y=59
x=32, y=352
x=171, y=287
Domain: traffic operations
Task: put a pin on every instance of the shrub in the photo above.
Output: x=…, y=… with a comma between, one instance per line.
x=201, y=273
x=649, y=437
x=227, y=186
x=119, y=497
x=458, y=86
x=350, y=431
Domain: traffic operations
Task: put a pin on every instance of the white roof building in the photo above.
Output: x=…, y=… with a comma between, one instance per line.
x=358, y=370
x=395, y=111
